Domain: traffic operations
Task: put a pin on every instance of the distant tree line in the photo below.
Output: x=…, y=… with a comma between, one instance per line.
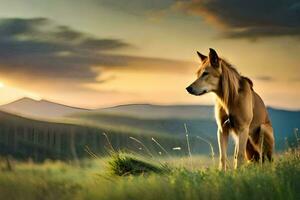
x=24, y=138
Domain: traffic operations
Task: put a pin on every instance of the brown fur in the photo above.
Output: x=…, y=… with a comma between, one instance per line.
x=230, y=80
x=238, y=109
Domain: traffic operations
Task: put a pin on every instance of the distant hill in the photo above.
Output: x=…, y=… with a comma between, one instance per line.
x=39, y=109
x=25, y=138
x=284, y=123
x=162, y=111
x=171, y=125
x=120, y=122
x=199, y=119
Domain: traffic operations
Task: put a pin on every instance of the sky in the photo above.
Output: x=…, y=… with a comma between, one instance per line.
x=98, y=53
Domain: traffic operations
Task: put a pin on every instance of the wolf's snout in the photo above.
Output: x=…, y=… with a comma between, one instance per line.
x=190, y=90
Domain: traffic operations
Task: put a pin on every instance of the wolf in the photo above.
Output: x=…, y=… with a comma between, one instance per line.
x=238, y=110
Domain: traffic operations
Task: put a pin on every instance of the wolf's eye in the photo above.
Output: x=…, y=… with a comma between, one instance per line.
x=204, y=74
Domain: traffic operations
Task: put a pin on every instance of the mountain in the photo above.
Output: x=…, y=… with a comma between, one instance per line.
x=25, y=138
x=154, y=118
x=199, y=120
x=172, y=125
x=161, y=111
x=39, y=109
x=145, y=120
x=284, y=123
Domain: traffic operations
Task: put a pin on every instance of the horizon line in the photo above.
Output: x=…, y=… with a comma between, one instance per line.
x=133, y=104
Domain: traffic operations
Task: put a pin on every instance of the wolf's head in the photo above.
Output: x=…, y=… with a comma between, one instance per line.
x=208, y=75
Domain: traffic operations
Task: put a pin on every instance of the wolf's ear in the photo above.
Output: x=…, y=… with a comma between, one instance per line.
x=201, y=56
x=213, y=57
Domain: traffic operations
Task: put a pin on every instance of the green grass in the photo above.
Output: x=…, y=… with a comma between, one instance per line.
x=123, y=164
x=92, y=179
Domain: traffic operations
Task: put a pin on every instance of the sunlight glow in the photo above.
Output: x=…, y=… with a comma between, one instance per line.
x=2, y=85
x=33, y=96
x=26, y=93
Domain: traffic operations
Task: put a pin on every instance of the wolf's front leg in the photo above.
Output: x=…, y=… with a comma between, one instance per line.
x=240, y=149
x=223, y=142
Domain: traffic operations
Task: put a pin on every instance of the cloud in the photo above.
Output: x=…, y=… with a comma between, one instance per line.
x=38, y=49
x=247, y=19
x=234, y=18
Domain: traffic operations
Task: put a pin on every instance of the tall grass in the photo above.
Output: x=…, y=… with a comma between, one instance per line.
x=144, y=178
x=212, y=152
x=123, y=164
x=277, y=180
x=187, y=140
x=142, y=144
x=160, y=146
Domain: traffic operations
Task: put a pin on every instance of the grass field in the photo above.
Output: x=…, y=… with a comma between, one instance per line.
x=185, y=178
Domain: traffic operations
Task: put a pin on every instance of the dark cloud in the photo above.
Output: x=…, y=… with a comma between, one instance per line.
x=37, y=47
x=248, y=19
x=40, y=49
x=12, y=27
x=64, y=32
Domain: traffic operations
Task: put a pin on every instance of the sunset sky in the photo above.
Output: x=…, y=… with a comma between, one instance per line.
x=96, y=53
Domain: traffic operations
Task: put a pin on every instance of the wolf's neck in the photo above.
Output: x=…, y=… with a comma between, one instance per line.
x=228, y=86
x=222, y=103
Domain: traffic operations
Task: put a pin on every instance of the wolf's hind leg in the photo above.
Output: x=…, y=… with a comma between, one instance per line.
x=266, y=132
x=251, y=152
